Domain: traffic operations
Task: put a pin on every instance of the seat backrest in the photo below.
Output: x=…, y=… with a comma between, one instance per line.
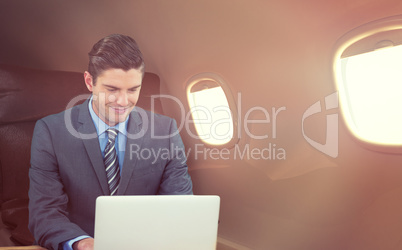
x=27, y=95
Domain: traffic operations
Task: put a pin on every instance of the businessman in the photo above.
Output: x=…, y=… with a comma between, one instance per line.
x=84, y=152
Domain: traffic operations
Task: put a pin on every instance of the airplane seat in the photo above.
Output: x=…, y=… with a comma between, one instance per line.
x=27, y=95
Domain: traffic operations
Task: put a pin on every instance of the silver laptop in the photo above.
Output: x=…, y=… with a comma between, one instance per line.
x=156, y=222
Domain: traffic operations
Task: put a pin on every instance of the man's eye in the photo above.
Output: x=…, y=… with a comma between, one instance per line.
x=111, y=90
x=133, y=90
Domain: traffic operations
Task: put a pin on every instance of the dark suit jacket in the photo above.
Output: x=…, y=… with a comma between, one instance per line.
x=67, y=172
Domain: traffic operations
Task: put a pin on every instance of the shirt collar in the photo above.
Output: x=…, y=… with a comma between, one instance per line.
x=101, y=126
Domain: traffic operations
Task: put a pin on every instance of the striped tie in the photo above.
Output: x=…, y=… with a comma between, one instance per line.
x=111, y=162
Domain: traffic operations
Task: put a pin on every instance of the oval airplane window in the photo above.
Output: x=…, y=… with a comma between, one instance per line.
x=368, y=75
x=212, y=109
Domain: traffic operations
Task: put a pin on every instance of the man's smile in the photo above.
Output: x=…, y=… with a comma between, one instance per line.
x=120, y=110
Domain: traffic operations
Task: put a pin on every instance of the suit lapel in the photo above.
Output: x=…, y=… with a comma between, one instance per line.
x=90, y=139
x=135, y=136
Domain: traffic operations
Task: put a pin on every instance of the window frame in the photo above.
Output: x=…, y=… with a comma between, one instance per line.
x=352, y=37
x=210, y=76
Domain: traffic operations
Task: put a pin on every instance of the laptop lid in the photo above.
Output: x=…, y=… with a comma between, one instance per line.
x=156, y=222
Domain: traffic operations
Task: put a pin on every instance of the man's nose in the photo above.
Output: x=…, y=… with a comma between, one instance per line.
x=122, y=99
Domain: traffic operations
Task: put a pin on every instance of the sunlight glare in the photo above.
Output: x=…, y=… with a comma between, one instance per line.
x=211, y=115
x=373, y=93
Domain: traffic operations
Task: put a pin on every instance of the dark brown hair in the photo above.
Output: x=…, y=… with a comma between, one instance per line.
x=115, y=51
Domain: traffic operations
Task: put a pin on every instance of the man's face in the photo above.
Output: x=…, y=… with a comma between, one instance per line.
x=115, y=93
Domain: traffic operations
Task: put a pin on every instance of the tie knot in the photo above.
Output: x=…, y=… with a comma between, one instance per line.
x=112, y=133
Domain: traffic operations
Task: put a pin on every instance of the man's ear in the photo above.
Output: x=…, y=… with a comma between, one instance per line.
x=88, y=80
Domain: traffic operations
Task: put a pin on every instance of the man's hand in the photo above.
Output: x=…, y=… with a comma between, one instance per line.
x=85, y=244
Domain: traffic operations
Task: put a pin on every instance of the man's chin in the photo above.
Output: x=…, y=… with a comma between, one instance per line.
x=117, y=119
